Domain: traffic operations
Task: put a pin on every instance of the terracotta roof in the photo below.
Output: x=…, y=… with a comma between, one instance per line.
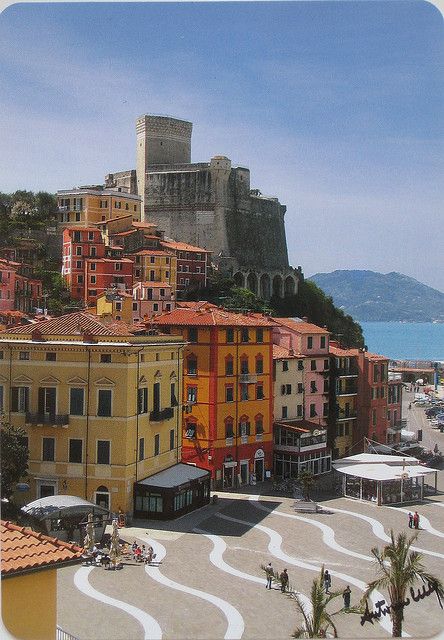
x=194, y=304
x=340, y=352
x=71, y=324
x=152, y=252
x=153, y=285
x=183, y=246
x=108, y=260
x=300, y=326
x=124, y=233
x=374, y=356
x=282, y=353
x=24, y=549
x=105, y=222
x=144, y=225
x=211, y=316
x=70, y=230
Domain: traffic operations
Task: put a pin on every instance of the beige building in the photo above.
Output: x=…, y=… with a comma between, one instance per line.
x=89, y=205
x=100, y=406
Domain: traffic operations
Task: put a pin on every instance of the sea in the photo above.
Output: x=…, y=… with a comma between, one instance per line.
x=405, y=340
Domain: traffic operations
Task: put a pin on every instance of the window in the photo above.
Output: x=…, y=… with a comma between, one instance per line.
x=313, y=365
x=299, y=410
x=229, y=393
x=76, y=396
x=192, y=394
x=156, y=394
x=92, y=292
x=313, y=411
x=326, y=386
x=91, y=236
x=244, y=365
x=79, y=279
x=118, y=266
x=105, y=357
x=229, y=428
x=77, y=236
x=313, y=387
x=325, y=409
x=326, y=364
x=141, y=449
x=152, y=260
x=20, y=399
x=310, y=342
x=142, y=400
x=284, y=412
x=285, y=365
x=155, y=306
x=323, y=342
x=92, y=280
x=300, y=365
x=23, y=355
x=92, y=266
x=300, y=387
x=192, y=334
x=75, y=450
x=50, y=356
x=78, y=251
x=172, y=439
x=93, y=252
x=244, y=392
x=173, y=399
x=157, y=444
x=162, y=293
x=229, y=366
x=79, y=264
x=259, y=425
x=259, y=335
x=259, y=364
x=259, y=392
x=244, y=334
x=230, y=335
x=192, y=366
x=103, y=451
x=244, y=427
x=48, y=449
x=118, y=306
x=104, y=402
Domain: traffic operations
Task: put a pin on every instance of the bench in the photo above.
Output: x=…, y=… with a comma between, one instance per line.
x=302, y=506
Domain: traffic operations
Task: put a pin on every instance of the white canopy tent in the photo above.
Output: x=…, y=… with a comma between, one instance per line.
x=383, y=479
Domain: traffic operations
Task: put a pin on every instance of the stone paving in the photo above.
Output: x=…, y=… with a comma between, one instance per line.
x=208, y=583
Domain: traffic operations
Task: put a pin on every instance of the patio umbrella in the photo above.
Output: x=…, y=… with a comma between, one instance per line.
x=114, y=550
x=89, y=542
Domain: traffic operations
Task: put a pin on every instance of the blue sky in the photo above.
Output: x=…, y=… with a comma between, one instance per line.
x=336, y=108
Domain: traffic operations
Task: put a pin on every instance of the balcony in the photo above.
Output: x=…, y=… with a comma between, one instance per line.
x=347, y=390
x=259, y=437
x=347, y=415
x=229, y=441
x=248, y=378
x=162, y=414
x=52, y=420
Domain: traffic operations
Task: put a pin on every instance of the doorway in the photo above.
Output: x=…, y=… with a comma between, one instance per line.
x=244, y=471
x=228, y=477
x=259, y=469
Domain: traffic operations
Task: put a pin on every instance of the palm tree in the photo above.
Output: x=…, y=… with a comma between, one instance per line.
x=307, y=480
x=399, y=569
x=317, y=622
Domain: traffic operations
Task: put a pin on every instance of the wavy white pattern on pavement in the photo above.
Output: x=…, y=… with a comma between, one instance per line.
x=424, y=522
x=151, y=627
x=216, y=558
x=328, y=534
x=236, y=625
x=274, y=547
x=379, y=531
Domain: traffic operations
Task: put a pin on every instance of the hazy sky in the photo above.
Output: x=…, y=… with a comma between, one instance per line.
x=336, y=108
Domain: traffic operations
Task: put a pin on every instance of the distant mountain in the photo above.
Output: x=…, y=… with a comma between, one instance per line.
x=371, y=296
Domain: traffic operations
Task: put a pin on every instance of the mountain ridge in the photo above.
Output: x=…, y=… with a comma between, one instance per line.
x=370, y=296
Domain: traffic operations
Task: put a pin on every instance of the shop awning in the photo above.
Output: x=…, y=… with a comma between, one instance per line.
x=384, y=471
x=175, y=476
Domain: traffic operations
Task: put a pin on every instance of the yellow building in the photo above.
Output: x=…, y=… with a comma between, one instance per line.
x=90, y=205
x=346, y=392
x=227, y=391
x=29, y=563
x=100, y=406
x=115, y=304
x=155, y=265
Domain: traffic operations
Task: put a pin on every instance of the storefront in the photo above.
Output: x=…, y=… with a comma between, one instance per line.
x=300, y=446
x=383, y=479
x=172, y=493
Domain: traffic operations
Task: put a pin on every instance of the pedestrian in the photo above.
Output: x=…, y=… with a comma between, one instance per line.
x=284, y=580
x=327, y=581
x=410, y=520
x=346, y=594
x=269, y=573
x=410, y=405
x=416, y=520
x=149, y=555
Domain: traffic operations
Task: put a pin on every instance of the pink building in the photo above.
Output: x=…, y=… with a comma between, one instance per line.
x=151, y=299
x=18, y=289
x=8, y=273
x=312, y=342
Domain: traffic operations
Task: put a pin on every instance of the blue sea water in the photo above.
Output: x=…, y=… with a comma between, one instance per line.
x=405, y=340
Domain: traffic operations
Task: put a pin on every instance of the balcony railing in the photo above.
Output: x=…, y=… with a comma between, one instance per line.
x=248, y=378
x=47, y=419
x=162, y=414
x=64, y=635
x=344, y=415
x=347, y=391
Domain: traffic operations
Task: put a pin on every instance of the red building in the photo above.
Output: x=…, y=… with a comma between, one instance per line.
x=394, y=411
x=372, y=398
x=104, y=273
x=18, y=289
x=78, y=245
x=192, y=265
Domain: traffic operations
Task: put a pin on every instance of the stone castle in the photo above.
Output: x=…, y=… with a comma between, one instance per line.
x=209, y=204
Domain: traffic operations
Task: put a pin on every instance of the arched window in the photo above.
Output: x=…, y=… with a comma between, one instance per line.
x=244, y=426
x=259, y=424
x=192, y=364
x=259, y=363
x=244, y=364
x=229, y=365
x=229, y=427
x=102, y=497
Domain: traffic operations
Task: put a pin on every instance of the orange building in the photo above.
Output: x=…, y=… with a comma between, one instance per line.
x=227, y=421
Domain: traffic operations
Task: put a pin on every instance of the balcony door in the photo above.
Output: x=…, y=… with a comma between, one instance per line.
x=47, y=401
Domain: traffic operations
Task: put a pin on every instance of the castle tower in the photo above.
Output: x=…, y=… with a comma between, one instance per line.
x=161, y=140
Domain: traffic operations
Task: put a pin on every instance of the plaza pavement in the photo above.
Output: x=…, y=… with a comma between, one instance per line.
x=209, y=583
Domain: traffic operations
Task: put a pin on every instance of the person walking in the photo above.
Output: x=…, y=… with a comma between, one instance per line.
x=416, y=520
x=284, y=580
x=327, y=581
x=269, y=572
x=346, y=594
x=410, y=520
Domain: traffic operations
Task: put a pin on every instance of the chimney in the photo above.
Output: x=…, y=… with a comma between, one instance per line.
x=304, y=319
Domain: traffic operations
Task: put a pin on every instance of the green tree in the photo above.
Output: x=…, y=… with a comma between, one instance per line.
x=399, y=569
x=14, y=456
x=307, y=481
